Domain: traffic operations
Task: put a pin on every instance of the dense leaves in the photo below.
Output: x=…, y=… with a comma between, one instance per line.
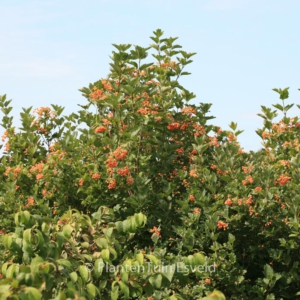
x=138, y=196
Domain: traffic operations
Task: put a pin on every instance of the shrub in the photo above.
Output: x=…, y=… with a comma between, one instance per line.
x=228, y=218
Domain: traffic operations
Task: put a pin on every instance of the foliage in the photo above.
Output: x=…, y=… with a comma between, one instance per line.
x=134, y=179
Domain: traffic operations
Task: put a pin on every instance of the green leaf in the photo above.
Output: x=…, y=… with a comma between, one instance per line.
x=29, y=279
x=134, y=133
x=124, y=274
x=84, y=273
x=98, y=267
x=124, y=289
x=67, y=230
x=189, y=261
x=61, y=296
x=40, y=239
x=238, y=132
x=233, y=126
x=140, y=258
x=199, y=259
x=33, y=293
x=156, y=281
x=105, y=255
x=102, y=243
x=92, y=290
x=25, y=217
x=278, y=106
x=73, y=276
x=113, y=252
x=17, y=221
x=4, y=268
x=140, y=219
x=114, y=291
x=65, y=263
x=127, y=265
x=108, y=231
x=231, y=238
x=215, y=295
x=287, y=107
x=27, y=236
x=284, y=94
x=35, y=263
x=268, y=271
x=131, y=224
x=152, y=259
x=12, y=271
x=168, y=271
x=6, y=241
x=119, y=226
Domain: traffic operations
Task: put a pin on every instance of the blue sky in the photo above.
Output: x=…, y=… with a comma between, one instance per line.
x=50, y=49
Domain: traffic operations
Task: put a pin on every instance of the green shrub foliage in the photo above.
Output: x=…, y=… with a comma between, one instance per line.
x=138, y=196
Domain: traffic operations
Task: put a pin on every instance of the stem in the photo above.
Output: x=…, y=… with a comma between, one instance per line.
x=284, y=111
x=179, y=74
